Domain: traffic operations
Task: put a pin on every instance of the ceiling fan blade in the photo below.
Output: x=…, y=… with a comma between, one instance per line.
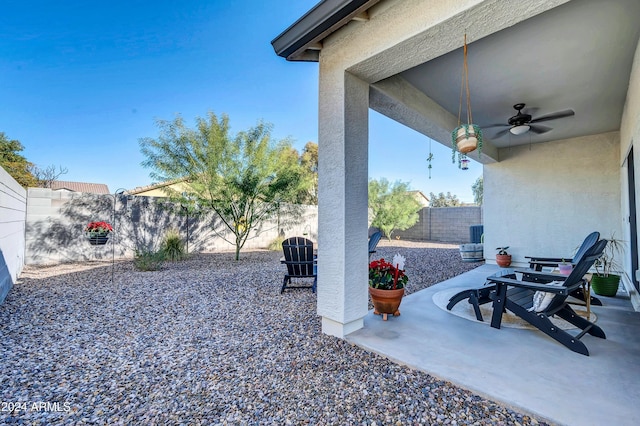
x=553, y=116
x=501, y=133
x=536, y=128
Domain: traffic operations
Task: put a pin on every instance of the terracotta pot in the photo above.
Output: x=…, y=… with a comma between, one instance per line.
x=503, y=260
x=466, y=144
x=386, y=301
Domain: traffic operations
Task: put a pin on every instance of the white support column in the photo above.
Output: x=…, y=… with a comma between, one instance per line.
x=342, y=205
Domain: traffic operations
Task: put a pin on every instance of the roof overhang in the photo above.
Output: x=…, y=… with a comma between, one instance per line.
x=302, y=41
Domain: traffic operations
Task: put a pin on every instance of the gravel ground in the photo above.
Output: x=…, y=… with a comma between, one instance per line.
x=210, y=341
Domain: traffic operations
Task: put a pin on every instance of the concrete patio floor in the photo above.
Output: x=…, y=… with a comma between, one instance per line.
x=524, y=369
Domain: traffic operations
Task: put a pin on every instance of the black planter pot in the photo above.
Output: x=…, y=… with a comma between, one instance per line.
x=98, y=240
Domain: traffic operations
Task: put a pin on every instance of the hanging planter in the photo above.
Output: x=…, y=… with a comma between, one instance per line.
x=98, y=240
x=467, y=137
x=98, y=233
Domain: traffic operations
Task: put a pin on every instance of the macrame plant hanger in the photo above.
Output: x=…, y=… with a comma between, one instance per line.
x=466, y=137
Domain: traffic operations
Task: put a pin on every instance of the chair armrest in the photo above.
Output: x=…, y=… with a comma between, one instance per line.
x=544, y=259
x=550, y=276
x=550, y=264
x=562, y=290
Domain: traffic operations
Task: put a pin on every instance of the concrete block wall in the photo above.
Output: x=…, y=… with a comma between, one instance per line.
x=56, y=220
x=446, y=224
x=13, y=205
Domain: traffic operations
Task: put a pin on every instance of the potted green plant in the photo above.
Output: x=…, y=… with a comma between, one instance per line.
x=387, y=281
x=467, y=137
x=98, y=232
x=604, y=282
x=503, y=259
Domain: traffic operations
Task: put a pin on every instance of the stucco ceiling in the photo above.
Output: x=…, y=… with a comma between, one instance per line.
x=577, y=56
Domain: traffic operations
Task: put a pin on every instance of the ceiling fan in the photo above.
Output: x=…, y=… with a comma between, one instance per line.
x=522, y=122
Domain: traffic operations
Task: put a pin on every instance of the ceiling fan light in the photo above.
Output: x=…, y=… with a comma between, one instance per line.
x=518, y=130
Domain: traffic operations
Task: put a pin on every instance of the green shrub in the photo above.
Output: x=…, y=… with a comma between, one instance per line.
x=173, y=246
x=276, y=245
x=147, y=260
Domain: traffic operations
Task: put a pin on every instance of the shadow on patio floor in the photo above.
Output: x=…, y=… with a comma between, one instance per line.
x=523, y=369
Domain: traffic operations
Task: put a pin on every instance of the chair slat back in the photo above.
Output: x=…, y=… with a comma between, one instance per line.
x=577, y=274
x=591, y=255
x=374, y=239
x=586, y=245
x=298, y=255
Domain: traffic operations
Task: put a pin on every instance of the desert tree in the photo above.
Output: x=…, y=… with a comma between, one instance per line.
x=392, y=205
x=14, y=163
x=46, y=176
x=444, y=200
x=243, y=178
x=478, y=190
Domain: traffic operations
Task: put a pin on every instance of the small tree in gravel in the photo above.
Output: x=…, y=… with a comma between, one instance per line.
x=244, y=179
x=392, y=205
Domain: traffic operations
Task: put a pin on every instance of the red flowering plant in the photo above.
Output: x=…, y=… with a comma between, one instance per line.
x=95, y=229
x=386, y=275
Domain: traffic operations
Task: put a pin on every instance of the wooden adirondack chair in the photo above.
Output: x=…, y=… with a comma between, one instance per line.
x=300, y=261
x=517, y=296
x=374, y=239
x=480, y=296
x=537, y=263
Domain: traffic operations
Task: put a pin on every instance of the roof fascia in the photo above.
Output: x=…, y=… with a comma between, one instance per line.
x=300, y=41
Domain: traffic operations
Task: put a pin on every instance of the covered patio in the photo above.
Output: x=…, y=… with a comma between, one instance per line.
x=544, y=189
x=520, y=368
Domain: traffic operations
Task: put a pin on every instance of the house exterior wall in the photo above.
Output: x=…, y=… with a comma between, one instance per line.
x=544, y=199
x=160, y=190
x=13, y=205
x=630, y=137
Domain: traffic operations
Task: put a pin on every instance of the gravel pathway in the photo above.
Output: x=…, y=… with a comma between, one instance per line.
x=209, y=341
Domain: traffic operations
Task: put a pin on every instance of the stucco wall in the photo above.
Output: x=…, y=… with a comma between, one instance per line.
x=12, y=231
x=544, y=199
x=55, y=223
x=399, y=34
x=630, y=137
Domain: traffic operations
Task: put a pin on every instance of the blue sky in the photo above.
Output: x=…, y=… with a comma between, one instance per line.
x=81, y=82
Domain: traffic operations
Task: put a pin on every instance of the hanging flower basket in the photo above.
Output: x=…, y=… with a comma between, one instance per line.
x=98, y=233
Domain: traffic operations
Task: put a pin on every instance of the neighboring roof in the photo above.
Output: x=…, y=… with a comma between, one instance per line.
x=302, y=40
x=94, y=188
x=420, y=198
x=418, y=194
x=147, y=188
